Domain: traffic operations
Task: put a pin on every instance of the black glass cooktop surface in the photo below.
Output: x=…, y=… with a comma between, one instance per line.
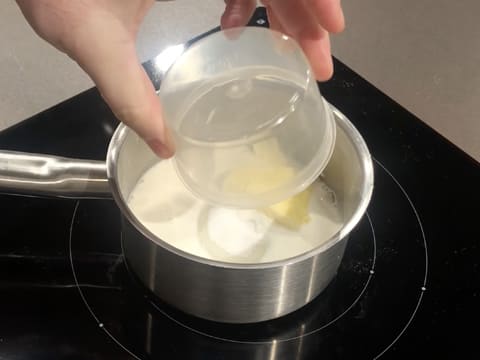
x=408, y=285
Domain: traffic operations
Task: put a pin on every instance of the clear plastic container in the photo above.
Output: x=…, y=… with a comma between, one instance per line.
x=250, y=126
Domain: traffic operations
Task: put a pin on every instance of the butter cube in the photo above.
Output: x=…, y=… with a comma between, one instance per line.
x=293, y=212
x=257, y=180
x=267, y=171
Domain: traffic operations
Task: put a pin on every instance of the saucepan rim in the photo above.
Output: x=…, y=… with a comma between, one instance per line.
x=366, y=190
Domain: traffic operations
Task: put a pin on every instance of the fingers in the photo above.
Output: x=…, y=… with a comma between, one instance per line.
x=275, y=24
x=319, y=54
x=296, y=18
x=308, y=21
x=100, y=36
x=237, y=13
x=113, y=65
x=329, y=14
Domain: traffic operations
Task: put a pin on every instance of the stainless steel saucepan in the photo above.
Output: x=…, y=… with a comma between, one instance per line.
x=227, y=292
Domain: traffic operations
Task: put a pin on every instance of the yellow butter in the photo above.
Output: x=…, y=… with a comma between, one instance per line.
x=271, y=170
x=267, y=170
x=257, y=180
x=292, y=213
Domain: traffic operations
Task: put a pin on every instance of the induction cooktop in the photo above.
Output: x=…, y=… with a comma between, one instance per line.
x=408, y=285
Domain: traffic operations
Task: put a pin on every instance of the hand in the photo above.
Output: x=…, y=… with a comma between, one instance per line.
x=100, y=36
x=308, y=21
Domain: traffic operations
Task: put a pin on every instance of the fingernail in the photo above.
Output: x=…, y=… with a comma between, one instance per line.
x=232, y=26
x=234, y=20
x=160, y=149
x=168, y=140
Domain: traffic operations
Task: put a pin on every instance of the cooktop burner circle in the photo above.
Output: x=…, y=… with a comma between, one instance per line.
x=357, y=299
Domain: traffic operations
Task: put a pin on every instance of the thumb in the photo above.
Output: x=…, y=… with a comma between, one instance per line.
x=114, y=67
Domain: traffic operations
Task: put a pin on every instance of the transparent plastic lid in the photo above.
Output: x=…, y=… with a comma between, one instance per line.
x=249, y=123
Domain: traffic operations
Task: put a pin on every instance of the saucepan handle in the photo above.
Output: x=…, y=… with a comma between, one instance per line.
x=52, y=176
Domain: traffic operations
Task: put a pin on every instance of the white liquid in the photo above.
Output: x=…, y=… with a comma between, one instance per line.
x=162, y=203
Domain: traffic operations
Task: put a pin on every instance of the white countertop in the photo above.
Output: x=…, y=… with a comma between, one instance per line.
x=423, y=54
